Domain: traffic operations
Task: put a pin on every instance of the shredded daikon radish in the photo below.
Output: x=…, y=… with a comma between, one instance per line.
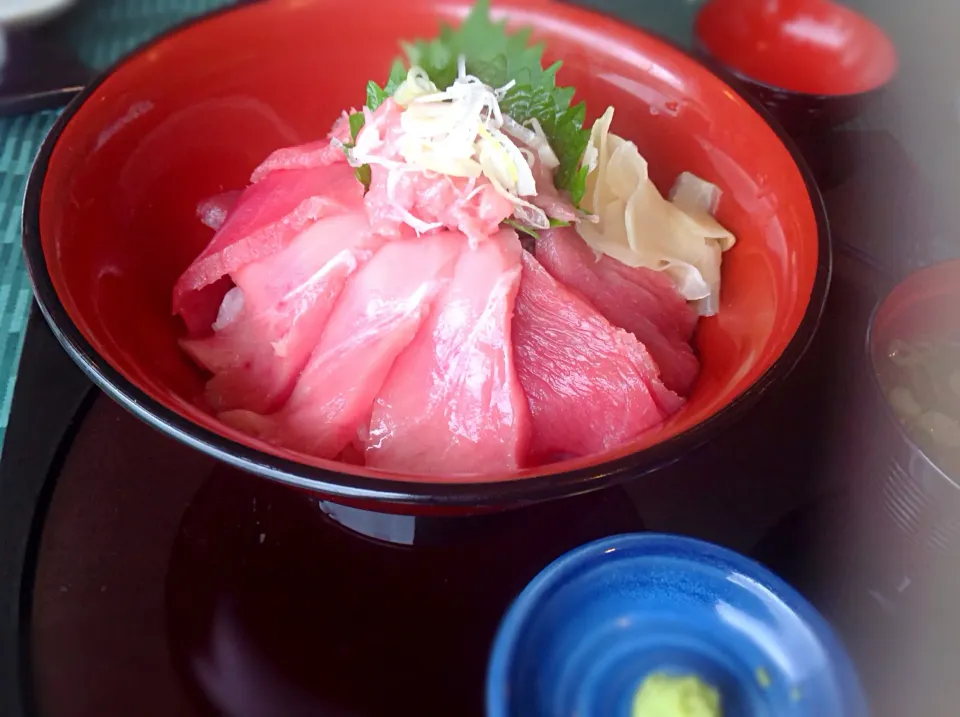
x=534, y=138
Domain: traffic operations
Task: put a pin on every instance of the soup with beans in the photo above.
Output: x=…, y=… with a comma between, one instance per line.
x=921, y=380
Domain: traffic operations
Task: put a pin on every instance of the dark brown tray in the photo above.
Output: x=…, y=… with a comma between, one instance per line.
x=118, y=546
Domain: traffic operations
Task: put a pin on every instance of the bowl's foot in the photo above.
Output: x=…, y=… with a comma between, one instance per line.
x=424, y=531
x=397, y=529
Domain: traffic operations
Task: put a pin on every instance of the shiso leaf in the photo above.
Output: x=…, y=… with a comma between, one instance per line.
x=362, y=172
x=376, y=94
x=523, y=228
x=356, y=124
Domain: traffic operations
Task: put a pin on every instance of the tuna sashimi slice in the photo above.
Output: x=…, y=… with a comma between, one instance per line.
x=378, y=314
x=321, y=153
x=634, y=299
x=312, y=154
x=452, y=404
x=267, y=217
x=272, y=320
x=676, y=317
x=590, y=385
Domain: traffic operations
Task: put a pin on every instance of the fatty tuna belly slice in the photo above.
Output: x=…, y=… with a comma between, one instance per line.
x=590, y=385
x=634, y=299
x=320, y=153
x=676, y=318
x=453, y=404
x=273, y=319
x=267, y=216
x=379, y=312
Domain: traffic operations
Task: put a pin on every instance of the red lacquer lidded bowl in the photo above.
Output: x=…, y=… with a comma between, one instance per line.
x=814, y=63
x=110, y=215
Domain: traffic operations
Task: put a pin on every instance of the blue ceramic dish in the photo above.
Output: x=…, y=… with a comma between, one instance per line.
x=587, y=631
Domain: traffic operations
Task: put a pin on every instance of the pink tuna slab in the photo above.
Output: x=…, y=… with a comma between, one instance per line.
x=590, y=385
x=452, y=404
x=634, y=299
x=266, y=218
x=377, y=316
x=305, y=156
x=286, y=301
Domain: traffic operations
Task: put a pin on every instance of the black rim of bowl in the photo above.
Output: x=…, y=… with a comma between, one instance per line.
x=888, y=411
x=350, y=487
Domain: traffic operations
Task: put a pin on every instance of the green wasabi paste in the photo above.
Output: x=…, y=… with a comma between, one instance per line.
x=664, y=695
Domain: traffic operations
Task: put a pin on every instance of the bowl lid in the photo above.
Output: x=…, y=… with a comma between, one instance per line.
x=592, y=626
x=816, y=48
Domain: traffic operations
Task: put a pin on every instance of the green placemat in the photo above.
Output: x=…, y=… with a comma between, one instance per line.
x=19, y=139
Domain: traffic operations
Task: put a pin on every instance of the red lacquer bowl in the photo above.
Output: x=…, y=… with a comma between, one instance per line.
x=814, y=63
x=110, y=223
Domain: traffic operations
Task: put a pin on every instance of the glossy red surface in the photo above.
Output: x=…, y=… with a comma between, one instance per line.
x=812, y=46
x=923, y=303
x=194, y=113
